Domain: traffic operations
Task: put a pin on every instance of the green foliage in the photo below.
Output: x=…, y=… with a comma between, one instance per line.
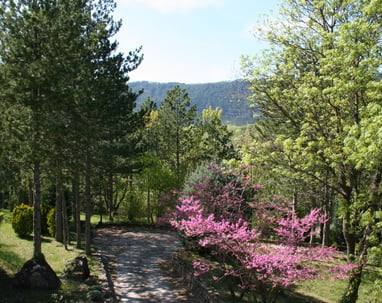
x=94, y=295
x=211, y=138
x=135, y=206
x=176, y=116
x=318, y=91
x=377, y=291
x=51, y=221
x=63, y=90
x=45, y=209
x=22, y=220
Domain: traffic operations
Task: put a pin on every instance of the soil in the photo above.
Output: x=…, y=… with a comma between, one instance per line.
x=138, y=263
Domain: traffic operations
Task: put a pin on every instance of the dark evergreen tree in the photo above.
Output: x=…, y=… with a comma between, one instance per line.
x=57, y=67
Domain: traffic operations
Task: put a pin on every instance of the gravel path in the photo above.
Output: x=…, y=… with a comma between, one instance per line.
x=139, y=262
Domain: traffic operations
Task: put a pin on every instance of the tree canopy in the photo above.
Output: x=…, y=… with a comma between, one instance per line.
x=317, y=88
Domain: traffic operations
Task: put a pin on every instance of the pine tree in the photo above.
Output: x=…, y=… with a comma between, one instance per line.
x=175, y=116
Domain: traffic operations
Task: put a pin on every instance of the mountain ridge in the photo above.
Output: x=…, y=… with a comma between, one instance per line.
x=230, y=96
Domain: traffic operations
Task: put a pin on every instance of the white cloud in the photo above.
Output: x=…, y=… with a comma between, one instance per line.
x=167, y=6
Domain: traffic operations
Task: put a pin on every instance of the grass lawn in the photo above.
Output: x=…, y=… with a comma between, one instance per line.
x=331, y=291
x=14, y=252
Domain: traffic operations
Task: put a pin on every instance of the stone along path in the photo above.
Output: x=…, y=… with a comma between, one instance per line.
x=137, y=259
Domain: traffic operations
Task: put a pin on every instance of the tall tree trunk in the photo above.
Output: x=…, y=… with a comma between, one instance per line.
x=77, y=207
x=64, y=217
x=348, y=236
x=149, y=216
x=36, y=210
x=351, y=292
x=30, y=192
x=326, y=229
x=87, y=206
x=328, y=208
x=109, y=196
x=65, y=224
x=59, y=233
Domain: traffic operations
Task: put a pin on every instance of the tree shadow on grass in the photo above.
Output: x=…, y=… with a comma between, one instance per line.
x=46, y=240
x=29, y=238
x=26, y=237
x=291, y=296
x=13, y=261
x=10, y=294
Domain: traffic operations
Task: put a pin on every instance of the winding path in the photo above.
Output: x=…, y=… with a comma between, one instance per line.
x=139, y=261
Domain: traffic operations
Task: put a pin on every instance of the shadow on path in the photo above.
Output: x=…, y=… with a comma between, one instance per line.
x=135, y=257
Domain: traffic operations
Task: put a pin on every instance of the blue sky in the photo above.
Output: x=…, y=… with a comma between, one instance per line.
x=190, y=41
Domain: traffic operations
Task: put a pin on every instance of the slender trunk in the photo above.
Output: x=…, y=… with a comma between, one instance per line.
x=87, y=206
x=148, y=205
x=58, y=235
x=351, y=293
x=77, y=207
x=328, y=209
x=118, y=200
x=30, y=192
x=65, y=220
x=109, y=196
x=349, y=237
x=65, y=225
x=36, y=211
x=326, y=231
x=326, y=226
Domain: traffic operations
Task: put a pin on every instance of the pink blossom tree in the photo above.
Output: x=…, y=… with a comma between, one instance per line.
x=226, y=215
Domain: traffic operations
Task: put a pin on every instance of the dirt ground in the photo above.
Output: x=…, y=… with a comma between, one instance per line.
x=139, y=263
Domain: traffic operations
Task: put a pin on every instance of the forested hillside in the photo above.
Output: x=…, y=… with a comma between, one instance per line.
x=230, y=96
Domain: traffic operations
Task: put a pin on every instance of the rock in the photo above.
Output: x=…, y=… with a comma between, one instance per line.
x=36, y=273
x=77, y=269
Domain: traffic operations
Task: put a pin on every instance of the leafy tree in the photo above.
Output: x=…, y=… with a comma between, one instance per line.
x=311, y=87
x=155, y=179
x=211, y=138
x=175, y=117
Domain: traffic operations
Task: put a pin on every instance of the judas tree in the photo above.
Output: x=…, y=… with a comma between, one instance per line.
x=235, y=222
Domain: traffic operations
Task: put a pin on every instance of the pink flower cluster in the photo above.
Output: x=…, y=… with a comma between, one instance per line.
x=236, y=225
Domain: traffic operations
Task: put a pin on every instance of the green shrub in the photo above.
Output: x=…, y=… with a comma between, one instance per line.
x=22, y=220
x=51, y=221
x=45, y=209
x=94, y=296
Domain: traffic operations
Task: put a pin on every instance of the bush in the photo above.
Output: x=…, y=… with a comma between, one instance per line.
x=51, y=222
x=45, y=209
x=94, y=296
x=22, y=220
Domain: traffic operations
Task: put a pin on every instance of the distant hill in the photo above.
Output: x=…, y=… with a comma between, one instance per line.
x=230, y=96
